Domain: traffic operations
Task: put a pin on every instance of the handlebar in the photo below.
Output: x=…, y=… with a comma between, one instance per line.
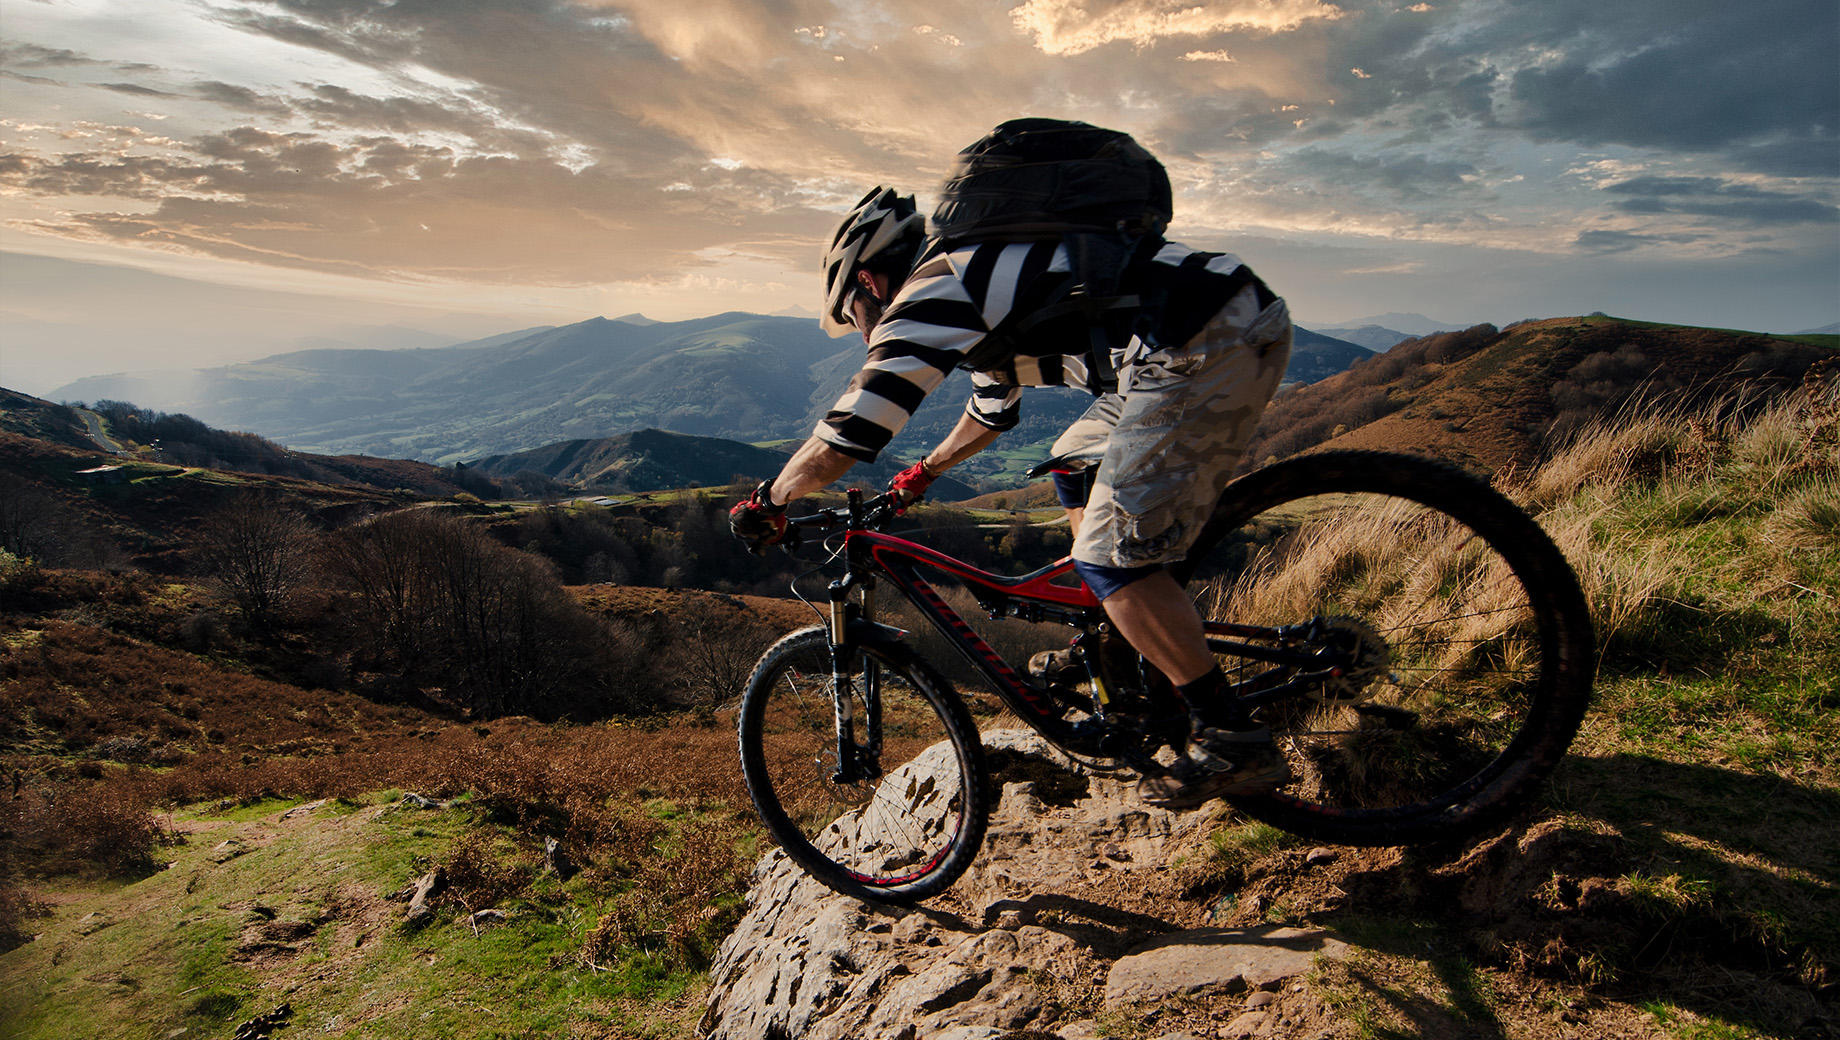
x=856, y=514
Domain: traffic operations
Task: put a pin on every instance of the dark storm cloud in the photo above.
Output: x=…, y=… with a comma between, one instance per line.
x=1758, y=81
x=1719, y=200
x=1405, y=176
x=1810, y=157
x=1717, y=76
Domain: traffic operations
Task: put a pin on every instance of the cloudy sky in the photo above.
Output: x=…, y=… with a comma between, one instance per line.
x=467, y=166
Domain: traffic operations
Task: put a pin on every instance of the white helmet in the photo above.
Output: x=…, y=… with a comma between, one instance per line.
x=882, y=227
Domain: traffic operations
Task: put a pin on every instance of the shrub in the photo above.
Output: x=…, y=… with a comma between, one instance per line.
x=98, y=829
x=477, y=877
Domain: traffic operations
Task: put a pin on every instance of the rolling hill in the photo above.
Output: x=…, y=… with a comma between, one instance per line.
x=655, y=460
x=1492, y=397
x=738, y=376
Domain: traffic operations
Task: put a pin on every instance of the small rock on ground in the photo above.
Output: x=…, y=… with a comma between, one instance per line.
x=1216, y=960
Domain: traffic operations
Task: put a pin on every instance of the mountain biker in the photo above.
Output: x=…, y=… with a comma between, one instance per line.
x=1139, y=472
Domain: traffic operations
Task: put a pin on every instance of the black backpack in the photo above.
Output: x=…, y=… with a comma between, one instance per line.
x=1044, y=178
x=1096, y=190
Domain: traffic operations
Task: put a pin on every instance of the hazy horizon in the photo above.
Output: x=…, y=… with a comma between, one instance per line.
x=466, y=169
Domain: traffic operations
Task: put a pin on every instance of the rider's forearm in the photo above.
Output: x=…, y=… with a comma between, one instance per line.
x=814, y=465
x=966, y=439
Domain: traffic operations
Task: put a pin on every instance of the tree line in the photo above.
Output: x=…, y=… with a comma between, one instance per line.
x=475, y=606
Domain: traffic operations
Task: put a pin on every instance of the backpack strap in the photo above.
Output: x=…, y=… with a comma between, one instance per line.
x=1111, y=316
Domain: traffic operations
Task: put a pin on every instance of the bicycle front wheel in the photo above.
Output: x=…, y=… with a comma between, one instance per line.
x=1446, y=647
x=894, y=811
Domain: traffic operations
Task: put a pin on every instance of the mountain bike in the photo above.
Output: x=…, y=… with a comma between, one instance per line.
x=1418, y=645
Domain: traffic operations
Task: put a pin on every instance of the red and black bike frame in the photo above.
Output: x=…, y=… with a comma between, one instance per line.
x=1053, y=594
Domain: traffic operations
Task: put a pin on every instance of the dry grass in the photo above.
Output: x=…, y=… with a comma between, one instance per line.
x=1443, y=599
x=1808, y=518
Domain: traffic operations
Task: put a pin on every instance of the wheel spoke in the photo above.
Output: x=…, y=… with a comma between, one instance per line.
x=1411, y=608
x=892, y=835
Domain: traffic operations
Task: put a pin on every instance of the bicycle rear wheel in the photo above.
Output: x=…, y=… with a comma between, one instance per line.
x=911, y=818
x=1453, y=648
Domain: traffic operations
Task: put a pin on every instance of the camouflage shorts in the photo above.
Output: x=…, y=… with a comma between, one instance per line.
x=1167, y=442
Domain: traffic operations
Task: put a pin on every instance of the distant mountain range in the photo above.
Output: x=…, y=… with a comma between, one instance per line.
x=738, y=376
x=1373, y=337
x=1410, y=325
x=653, y=460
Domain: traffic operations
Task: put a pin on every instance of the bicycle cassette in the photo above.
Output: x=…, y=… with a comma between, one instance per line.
x=1365, y=659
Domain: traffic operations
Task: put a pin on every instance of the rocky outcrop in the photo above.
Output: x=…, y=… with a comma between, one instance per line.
x=1050, y=921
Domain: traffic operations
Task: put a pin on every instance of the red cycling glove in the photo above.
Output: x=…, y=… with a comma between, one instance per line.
x=910, y=484
x=757, y=521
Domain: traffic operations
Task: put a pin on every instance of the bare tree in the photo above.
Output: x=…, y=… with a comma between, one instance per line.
x=258, y=551
x=446, y=604
x=713, y=661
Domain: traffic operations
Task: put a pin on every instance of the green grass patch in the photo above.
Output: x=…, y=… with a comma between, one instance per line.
x=300, y=915
x=1680, y=1024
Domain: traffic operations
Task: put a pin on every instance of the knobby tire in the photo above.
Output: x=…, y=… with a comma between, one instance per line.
x=899, y=838
x=1541, y=662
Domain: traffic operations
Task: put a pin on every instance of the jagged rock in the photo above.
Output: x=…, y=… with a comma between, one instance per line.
x=806, y=962
x=1208, y=960
x=228, y=849
x=93, y=922
x=483, y=919
x=557, y=859
x=419, y=910
x=302, y=810
x=411, y=800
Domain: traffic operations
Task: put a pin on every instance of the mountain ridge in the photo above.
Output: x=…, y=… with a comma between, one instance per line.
x=1493, y=398
x=733, y=375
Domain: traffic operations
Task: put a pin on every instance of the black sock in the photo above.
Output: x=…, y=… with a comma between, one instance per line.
x=1210, y=704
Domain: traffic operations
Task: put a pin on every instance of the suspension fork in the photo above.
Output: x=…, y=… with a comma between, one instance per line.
x=853, y=671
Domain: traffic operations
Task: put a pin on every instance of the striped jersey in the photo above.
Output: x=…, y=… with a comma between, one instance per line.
x=954, y=299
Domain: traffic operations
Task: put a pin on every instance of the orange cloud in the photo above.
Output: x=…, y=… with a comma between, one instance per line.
x=1075, y=26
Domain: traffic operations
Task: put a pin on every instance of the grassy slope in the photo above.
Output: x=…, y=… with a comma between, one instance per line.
x=1683, y=869
x=1715, y=742
x=301, y=918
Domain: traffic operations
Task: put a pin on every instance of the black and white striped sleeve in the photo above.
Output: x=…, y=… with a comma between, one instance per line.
x=929, y=326
x=994, y=402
